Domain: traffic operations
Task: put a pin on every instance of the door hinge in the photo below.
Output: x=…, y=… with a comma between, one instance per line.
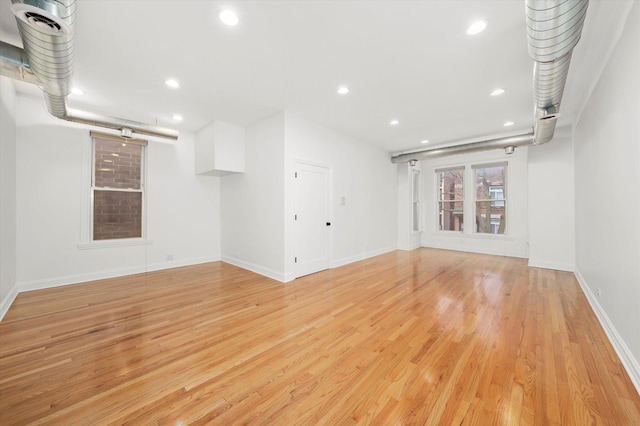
x=295, y=260
x=295, y=217
x=296, y=174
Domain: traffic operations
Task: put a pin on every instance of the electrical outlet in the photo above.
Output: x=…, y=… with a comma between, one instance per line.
x=169, y=257
x=598, y=292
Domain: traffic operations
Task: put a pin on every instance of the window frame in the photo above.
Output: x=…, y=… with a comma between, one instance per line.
x=416, y=201
x=88, y=187
x=437, y=172
x=493, y=202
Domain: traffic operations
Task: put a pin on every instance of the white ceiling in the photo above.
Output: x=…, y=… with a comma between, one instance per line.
x=405, y=60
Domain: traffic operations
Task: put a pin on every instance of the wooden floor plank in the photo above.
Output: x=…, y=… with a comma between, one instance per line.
x=421, y=337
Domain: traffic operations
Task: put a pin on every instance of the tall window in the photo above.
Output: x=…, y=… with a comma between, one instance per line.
x=450, y=199
x=117, y=187
x=415, y=199
x=490, y=208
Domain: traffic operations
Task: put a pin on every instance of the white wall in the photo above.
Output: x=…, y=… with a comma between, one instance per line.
x=252, y=203
x=257, y=206
x=514, y=243
x=551, y=203
x=8, y=290
x=364, y=175
x=607, y=178
x=182, y=209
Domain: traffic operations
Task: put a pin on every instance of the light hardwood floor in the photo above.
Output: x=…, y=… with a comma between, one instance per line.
x=424, y=337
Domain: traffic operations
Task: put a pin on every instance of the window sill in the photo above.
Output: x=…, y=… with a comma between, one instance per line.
x=114, y=243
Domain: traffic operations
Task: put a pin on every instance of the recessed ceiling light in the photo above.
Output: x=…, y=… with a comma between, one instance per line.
x=177, y=117
x=172, y=83
x=476, y=27
x=497, y=92
x=424, y=141
x=343, y=90
x=508, y=123
x=394, y=122
x=228, y=17
x=77, y=91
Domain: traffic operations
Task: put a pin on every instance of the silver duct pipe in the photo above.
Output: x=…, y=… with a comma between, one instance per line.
x=14, y=64
x=507, y=143
x=554, y=28
x=47, y=31
x=126, y=127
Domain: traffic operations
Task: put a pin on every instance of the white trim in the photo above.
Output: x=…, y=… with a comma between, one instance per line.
x=126, y=242
x=627, y=359
x=92, y=276
x=269, y=273
x=6, y=303
x=501, y=251
x=414, y=244
x=89, y=188
x=362, y=256
x=533, y=263
x=178, y=263
x=86, y=195
x=374, y=253
x=285, y=278
x=346, y=260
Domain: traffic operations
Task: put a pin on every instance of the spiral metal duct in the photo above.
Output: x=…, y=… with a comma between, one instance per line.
x=47, y=31
x=554, y=28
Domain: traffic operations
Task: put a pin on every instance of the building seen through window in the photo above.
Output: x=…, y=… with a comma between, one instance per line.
x=117, y=188
x=451, y=199
x=490, y=202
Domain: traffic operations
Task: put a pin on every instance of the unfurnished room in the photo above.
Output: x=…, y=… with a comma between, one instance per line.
x=319, y=212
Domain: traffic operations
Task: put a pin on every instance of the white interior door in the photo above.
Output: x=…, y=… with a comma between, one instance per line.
x=312, y=218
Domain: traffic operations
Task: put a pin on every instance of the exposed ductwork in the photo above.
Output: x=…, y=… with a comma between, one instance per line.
x=554, y=28
x=47, y=31
x=507, y=143
x=14, y=64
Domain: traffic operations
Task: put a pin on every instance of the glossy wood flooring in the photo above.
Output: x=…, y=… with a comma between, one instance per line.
x=426, y=337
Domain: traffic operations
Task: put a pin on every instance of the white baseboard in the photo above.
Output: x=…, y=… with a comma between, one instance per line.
x=374, y=253
x=551, y=265
x=410, y=247
x=362, y=256
x=629, y=362
x=5, y=303
x=92, y=276
x=491, y=251
x=286, y=277
x=269, y=273
x=346, y=260
x=178, y=263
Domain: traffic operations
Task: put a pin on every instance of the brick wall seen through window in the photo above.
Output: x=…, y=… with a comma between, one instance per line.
x=117, y=189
